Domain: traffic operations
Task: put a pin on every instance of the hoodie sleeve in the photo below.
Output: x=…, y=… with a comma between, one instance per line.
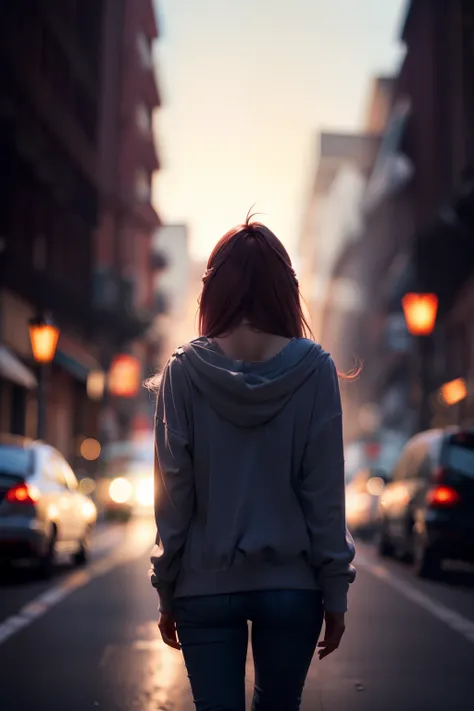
x=323, y=495
x=174, y=484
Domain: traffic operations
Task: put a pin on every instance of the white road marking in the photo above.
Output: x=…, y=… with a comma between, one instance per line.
x=132, y=550
x=452, y=619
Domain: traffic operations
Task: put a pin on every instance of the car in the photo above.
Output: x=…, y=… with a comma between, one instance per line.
x=426, y=512
x=42, y=513
x=362, y=500
x=125, y=488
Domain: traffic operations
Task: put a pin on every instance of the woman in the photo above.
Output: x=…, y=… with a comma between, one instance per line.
x=250, y=485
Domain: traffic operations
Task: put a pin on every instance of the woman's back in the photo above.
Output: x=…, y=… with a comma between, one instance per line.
x=248, y=426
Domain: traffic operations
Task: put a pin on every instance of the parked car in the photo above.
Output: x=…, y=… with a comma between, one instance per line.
x=42, y=512
x=426, y=512
x=126, y=485
x=362, y=501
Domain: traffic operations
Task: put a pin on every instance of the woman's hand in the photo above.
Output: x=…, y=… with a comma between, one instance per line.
x=167, y=627
x=335, y=628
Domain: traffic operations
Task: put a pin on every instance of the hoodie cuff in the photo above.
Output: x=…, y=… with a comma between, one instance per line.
x=335, y=595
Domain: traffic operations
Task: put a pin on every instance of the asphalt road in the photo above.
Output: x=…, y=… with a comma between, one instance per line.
x=88, y=640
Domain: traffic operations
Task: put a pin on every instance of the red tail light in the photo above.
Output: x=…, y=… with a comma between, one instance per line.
x=23, y=494
x=443, y=496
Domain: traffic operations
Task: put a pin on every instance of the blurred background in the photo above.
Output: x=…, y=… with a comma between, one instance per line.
x=133, y=134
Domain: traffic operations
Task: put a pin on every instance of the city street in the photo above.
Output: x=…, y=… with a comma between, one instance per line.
x=88, y=639
x=236, y=284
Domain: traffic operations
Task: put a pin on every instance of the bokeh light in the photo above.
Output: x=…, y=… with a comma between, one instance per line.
x=87, y=486
x=453, y=392
x=90, y=449
x=145, y=492
x=375, y=486
x=120, y=490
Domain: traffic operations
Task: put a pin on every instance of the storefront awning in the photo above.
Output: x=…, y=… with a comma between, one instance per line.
x=11, y=368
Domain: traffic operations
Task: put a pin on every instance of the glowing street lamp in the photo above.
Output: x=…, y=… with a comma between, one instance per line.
x=420, y=312
x=44, y=335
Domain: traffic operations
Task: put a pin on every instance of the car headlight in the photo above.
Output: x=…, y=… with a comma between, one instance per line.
x=89, y=511
x=120, y=490
x=145, y=492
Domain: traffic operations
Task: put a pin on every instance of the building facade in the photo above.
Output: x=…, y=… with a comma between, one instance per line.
x=75, y=216
x=333, y=215
x=333, y=276
x=417, y=231
x=431, y=249
x=125, y=268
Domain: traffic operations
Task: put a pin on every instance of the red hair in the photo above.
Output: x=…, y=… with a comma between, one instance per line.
x=250, y=277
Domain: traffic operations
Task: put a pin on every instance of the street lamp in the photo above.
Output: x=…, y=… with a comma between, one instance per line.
x=420, y=311
x=44, y=335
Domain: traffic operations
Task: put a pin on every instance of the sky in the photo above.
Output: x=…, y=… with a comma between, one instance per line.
x=246, y=86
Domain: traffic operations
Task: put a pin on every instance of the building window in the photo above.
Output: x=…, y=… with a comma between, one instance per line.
x=142, y=185
x=144, y=50
x=143, y=118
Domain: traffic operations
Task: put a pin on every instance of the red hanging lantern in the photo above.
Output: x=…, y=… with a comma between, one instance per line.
x=125, y=376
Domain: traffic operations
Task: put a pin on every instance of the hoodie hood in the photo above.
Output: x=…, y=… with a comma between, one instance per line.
x=250, y=394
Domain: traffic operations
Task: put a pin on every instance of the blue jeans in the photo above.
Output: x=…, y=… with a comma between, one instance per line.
x=213, y=632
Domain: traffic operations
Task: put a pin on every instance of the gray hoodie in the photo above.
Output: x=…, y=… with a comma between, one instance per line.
x=249, y=475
